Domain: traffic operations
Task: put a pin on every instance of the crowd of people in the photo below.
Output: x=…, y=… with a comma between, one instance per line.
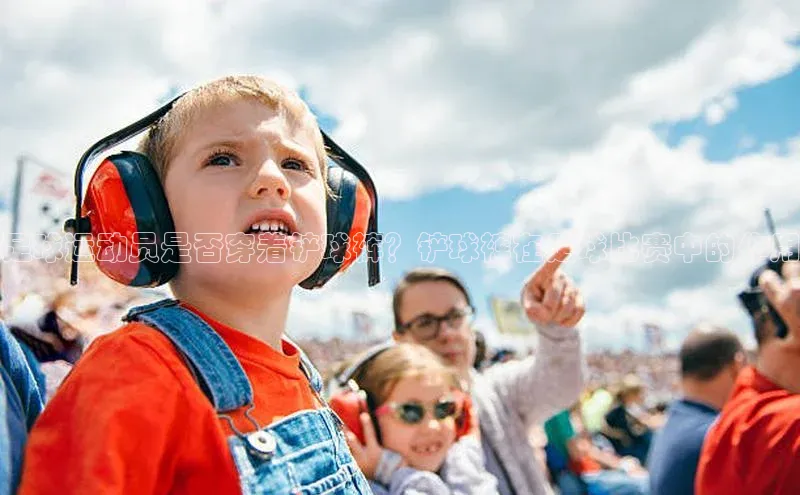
x=36, y=288
x=111, y=389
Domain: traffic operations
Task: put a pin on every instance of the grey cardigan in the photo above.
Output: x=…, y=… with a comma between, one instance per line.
x=512, y=397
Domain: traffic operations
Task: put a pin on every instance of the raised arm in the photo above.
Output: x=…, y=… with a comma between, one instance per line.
x=539, y=386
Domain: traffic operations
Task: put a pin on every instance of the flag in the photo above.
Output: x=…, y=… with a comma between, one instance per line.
x=653, y=338
x=43, y=200
x=510, y=317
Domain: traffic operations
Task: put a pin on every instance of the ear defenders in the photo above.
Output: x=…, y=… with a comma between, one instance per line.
x=351, y=400
x=126, y=217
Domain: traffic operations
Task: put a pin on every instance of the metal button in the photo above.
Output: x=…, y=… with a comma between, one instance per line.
x=262, y=442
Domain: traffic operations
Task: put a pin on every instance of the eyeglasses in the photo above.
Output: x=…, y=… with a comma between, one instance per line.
x=427, y=326
x=413, y=413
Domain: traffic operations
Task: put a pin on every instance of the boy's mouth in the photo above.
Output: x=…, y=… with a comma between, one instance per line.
x=275, y=222
x=270, y=227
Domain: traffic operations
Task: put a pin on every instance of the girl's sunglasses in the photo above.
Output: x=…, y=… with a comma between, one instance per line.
x=413, y=413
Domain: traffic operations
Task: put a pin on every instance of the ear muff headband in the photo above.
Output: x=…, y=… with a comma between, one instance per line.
x=80, y=225
x=349, y=402
x=373, y=238
x=369, y=355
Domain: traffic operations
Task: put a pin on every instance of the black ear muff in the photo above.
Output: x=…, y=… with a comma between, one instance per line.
x=352, y=219
x=129, y=221
x=348, y=211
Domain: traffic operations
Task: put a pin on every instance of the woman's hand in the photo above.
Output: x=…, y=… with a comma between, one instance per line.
x=550, y=297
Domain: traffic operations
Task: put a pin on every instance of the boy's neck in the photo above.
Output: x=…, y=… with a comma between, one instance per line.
x=262, y=317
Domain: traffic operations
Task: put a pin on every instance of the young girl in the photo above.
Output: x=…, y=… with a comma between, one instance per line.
x=411, y=444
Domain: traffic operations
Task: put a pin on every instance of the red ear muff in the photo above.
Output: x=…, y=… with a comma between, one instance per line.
x=357, y=236
x=129, y=221
x=351, y=401
x=465, y=420
x=348, y=405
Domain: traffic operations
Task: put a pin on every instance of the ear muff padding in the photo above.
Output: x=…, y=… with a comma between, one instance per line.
x=130, y=221
x=348, y=211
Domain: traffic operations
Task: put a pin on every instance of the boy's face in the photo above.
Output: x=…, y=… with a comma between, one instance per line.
x=237, y=166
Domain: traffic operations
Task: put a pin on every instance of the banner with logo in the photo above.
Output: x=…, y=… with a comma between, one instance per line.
x=43, y=199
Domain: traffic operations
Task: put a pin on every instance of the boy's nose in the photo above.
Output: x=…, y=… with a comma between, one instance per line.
x=269, y=180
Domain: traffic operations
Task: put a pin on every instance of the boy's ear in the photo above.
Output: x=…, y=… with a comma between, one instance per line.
x=130, y=228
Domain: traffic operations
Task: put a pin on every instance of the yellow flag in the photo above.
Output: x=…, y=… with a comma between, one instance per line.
x=510, y=317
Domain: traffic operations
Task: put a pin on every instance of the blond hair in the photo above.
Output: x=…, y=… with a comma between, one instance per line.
x=161, y=140
x=379, y=376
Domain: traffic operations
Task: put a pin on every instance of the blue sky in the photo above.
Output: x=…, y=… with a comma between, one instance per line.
x=766, y=114
x=452, y=211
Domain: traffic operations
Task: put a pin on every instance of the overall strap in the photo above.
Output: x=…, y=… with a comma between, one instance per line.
x=212, y=362
x=308, y=368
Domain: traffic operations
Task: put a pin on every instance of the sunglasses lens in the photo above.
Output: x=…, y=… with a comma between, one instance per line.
x=445, y=409
x=411, y=413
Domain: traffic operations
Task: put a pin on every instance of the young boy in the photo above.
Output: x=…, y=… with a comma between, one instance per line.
x=236, y=156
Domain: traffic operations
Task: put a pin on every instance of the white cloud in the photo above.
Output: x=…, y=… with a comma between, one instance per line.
x=748, y=46
x=632, y=182
x=413, y=97
x=716, y=111
x=483, y=26
x=329, y=311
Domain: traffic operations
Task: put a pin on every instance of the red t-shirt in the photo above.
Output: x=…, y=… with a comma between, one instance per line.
x=131, y=419
x=754, y=447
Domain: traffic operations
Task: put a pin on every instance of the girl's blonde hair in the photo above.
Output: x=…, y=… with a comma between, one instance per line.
x=379, y=376
x=161, y=140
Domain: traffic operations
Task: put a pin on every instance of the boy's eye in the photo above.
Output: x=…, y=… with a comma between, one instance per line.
x=294, y=164
x=222, y=160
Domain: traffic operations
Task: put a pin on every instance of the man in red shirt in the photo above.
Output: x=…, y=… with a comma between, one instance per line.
x=754, y=448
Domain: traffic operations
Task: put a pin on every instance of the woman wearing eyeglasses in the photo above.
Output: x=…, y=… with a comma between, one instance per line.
x=411, y=441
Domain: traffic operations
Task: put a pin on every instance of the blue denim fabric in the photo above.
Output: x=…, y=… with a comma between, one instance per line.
x=304, y=453
x=21, y=403
x=36, y=369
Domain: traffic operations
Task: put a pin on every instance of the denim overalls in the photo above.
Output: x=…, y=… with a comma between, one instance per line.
x=303, y=453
